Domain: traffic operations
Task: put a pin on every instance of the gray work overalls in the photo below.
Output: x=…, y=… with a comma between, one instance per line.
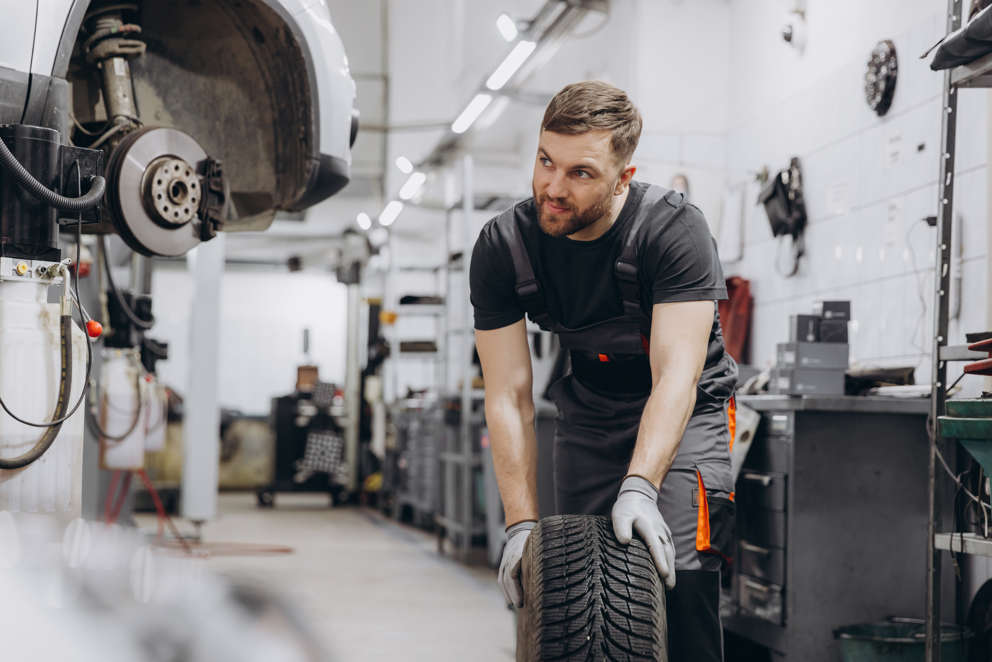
x=596, y=433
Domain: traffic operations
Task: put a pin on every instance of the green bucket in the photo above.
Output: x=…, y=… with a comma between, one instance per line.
x=899, y=640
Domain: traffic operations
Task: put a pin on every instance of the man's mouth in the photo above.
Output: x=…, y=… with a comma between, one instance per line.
x=556, y=209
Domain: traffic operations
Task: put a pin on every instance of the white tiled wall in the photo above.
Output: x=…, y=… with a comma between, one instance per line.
x=868, y=183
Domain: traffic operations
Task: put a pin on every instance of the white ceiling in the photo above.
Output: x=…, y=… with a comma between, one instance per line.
x=438, y=53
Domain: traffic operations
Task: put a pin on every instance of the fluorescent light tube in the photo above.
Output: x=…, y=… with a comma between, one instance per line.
x=391, y=211
x=471, y=113
x=404, y=165
x=413, y=185
x=511, y=64
x=364, y=222
x=507, y=27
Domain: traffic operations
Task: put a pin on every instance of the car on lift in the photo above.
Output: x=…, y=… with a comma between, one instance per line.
x=262, y=86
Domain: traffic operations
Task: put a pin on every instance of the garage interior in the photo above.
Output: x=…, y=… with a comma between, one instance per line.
x=281, y=444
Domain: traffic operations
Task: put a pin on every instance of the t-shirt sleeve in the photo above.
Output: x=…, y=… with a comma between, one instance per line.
x=685, y=261
x=491, y=279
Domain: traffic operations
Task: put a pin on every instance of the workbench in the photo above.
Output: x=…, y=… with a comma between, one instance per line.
x=831, y=522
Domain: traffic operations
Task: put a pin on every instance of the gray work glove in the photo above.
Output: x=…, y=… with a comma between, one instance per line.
x=509, y=567
x=636, y=509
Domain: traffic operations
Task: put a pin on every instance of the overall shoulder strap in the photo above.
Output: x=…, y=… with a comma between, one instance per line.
x=626, y=266
x=526, y=286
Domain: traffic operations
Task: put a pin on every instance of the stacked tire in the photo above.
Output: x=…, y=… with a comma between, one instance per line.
x=587, y=597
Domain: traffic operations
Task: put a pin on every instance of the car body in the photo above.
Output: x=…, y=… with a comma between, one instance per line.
x=262, y=85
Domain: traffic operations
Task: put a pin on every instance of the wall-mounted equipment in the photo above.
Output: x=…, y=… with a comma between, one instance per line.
x=794, y=31
x=880, y=78
x=783, y=200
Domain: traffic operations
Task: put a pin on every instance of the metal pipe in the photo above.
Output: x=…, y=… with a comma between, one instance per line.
x=467, y=445
x=141, y=274
x=352, y=379
x=941, y=314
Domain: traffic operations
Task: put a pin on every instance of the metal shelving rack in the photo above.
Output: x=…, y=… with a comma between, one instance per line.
x=420, y=453
x=461, y=518
x=460, y=459
x=977, y=74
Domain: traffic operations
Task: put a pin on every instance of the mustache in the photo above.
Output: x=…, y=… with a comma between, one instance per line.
x=557, y=202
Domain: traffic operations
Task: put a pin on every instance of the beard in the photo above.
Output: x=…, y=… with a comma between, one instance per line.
x=571, y=220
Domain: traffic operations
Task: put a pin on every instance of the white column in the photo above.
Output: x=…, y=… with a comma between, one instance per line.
x=352, y=380
x=201, y=423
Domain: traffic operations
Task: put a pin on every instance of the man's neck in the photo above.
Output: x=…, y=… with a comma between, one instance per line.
x=599, y=228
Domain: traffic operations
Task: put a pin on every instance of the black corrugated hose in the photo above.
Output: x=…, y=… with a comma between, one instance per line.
x=98, y=185
x=54, y=426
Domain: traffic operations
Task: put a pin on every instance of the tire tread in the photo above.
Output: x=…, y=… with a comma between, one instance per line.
x=588, y=597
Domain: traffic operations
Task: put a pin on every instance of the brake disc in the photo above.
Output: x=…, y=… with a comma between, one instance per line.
x=155, y=190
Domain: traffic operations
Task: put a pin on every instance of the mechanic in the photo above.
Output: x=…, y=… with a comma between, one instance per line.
x=627, y=275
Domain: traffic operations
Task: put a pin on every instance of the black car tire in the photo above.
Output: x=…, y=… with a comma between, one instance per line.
x=587, y=597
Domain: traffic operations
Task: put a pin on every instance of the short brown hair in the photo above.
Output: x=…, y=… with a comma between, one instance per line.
x=594, y=105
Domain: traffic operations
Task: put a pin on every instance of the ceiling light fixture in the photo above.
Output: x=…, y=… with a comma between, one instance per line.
x=511, y=64
x=507, y=27
x=363, y=220
x=390, y=212
x=471, y=113
x=379, y=236
x=413, y=185
x=404, y=164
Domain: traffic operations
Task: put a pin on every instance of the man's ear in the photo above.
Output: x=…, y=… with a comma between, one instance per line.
x=626, y=175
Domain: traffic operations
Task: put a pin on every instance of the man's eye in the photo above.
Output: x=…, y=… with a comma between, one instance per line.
x=582, y=173
x=546, y=162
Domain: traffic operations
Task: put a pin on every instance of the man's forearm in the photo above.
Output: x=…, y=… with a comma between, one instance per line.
x=665, y=416
x=514, y=443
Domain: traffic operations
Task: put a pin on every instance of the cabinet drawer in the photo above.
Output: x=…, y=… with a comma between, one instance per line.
x=761, y=599
x=767, y=563
x=779, y=423
x=761, y=490
x=765, y=528
x=770, y=453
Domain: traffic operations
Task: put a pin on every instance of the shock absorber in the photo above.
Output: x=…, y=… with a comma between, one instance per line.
x=110, y=46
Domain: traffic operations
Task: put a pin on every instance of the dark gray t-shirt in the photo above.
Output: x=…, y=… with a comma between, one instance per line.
x=677, y=261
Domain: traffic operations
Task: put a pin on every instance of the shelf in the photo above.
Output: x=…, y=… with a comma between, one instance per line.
x=457, y=527
x=973, y=74
x=421, y=310
x=459, y=458
x=960, y=353
x=967, y=543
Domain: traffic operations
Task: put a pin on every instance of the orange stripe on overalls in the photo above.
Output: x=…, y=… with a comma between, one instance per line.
x=702, y=518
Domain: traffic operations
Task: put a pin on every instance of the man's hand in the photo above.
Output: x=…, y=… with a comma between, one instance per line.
x=509, y=567
x=636, y=509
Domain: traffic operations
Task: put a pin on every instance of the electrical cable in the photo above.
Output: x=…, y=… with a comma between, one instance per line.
x=65, y=381
x=108, y=135
x=919, y=291
x=61, y=405
x=98, y=430
x=85, y=131
x=160, y=510
x=111, y=508
x=92, y=198
x=957, y=481
x=144, y=325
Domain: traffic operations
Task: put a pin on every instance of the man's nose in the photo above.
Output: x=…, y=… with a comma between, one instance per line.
x=556, y=186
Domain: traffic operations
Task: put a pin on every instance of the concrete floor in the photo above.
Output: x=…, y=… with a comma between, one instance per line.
x=373, y=589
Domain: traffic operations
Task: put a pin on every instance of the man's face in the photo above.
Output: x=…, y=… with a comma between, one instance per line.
x=575, y=178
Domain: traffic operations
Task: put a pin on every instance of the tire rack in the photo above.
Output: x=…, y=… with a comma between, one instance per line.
x=977, y=74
